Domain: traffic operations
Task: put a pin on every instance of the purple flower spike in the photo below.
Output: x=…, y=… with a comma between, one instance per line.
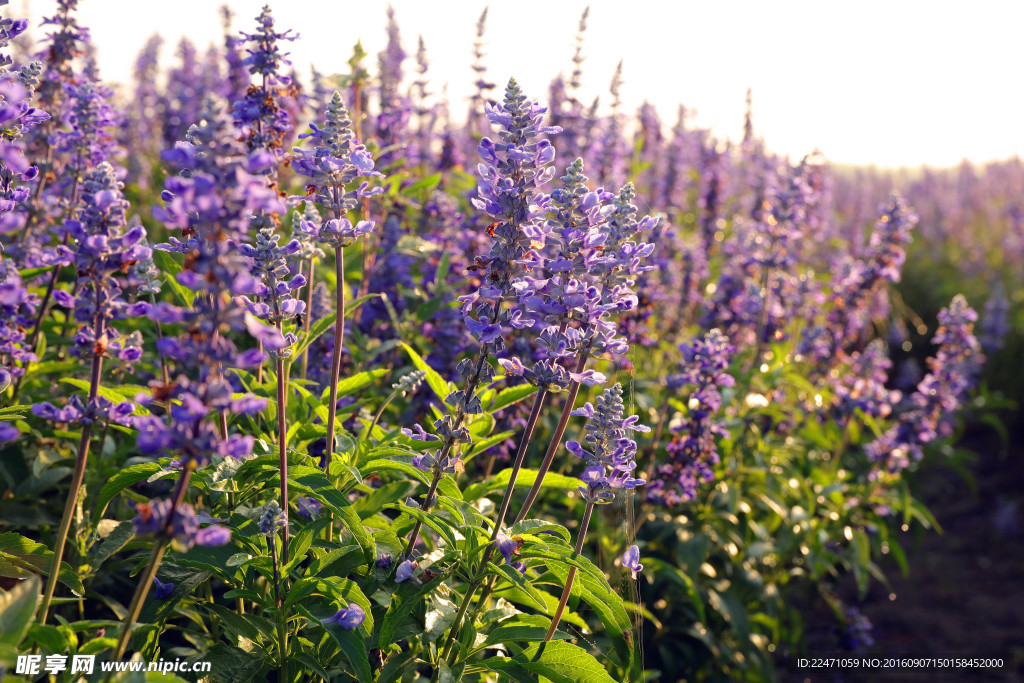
x=348, y=618
x=631, y=560
x=610, y=457
x=152, y=518
x=693, y=451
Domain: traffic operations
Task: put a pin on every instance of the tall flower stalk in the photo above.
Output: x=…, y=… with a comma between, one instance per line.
x=610, y=464
x=272, y=518
x=614, y=275
x=335, y=161
x=211, y=202
x=275, y=304
x=509, y=175
x=104, y=250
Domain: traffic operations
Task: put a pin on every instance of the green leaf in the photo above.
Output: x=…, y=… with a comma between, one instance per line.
x=510, y=395
x=119, y=482
x=352, y=645
x=526, y=477
x=313, y=482
x=523, y=627
x=407, y=597
x=17, y=610
x=432, y=520
x=374, y=502
x=114, y=541
x=395, y=667
x=21, y=557
x=170, y=267
x=439, y=386
x=48, y=637
x=301, y=542
x=233, y=664
x=32, y=272
x=354, y=383
x=513, y=576
x=537, y=526
x=339, y=561
x=396, y=466
x=426, y=185
x=13, y=412
x=235, y=624
x=592, y=587
x=558, y=661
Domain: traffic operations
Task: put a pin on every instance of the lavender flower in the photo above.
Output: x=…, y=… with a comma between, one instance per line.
x=610, y=459
x=509, y=176
x=63, y=44
x=161, y=590
x=85, y=137
x=262, y=114
x=154, y=518
x=393, y=117
x=613, y=147
x=405, y=570
x=348, y=618
x=8, y=432
x=930, y=408
x=211, y=201
x=17, y=312
x=144, y=114
x=856, y=283
x=483, y=87
x=272, y=518
x=995, y=323
x=692, y=451
x=858, y=634
x=273, y=301
x=308, y=507
x=631, y=560
x=863, y=386
x=508, y=547
x=336, y=161
x=104, y=250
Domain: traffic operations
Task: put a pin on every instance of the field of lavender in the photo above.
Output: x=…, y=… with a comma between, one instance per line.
x=313, y=378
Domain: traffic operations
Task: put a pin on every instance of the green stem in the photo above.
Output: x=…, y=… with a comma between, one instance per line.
x=141, y=591
x=339, y=339
x=282, y=630
x=76, y=483
x=376, y=418
x=426, y=506
x=159, y=336
x=304, y=367
x=524, y=443
x=159, y=547
x=572, y=572
x=282, y=431
x=556, y=439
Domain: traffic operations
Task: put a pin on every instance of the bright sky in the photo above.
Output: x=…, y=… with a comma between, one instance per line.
x=885, y=82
